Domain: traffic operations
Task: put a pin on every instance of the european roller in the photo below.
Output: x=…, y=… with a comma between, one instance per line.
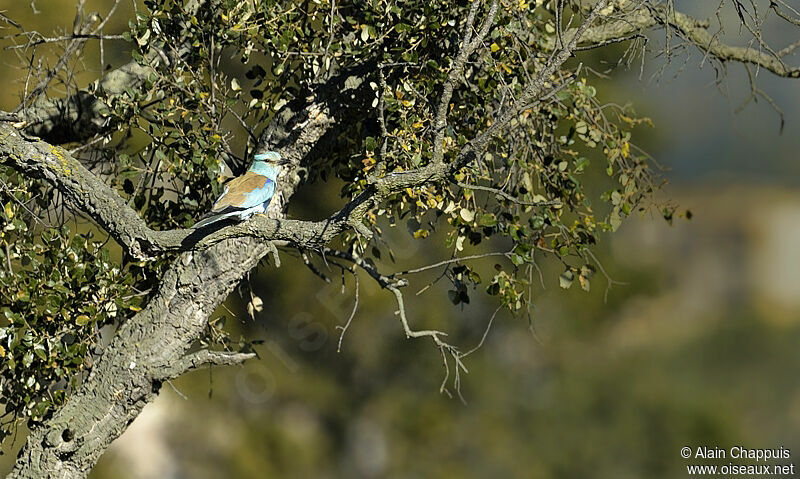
x=248, y=194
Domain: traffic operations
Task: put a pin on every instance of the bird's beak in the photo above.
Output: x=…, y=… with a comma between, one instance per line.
x=283, y=162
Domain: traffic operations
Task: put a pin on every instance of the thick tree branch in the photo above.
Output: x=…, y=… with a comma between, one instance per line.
x=637, y=17
x=147, y=347
x=82, y=115
x=302, y=124
x=695, y=32
x=84, y=190
x=158, y=342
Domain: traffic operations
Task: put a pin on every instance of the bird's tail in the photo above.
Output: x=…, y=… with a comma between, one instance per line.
x=213, y=219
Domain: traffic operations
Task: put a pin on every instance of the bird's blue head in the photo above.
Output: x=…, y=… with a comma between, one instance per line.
x=268, y=164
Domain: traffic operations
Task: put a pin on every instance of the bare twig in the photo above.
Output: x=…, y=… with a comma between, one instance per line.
x=774, y=6
x=485, y=333
x=435, y=335
x=507, y=196
x=789, y=49
x=468, y=46
x=311, y=266
x=73, y=46
x=611, y=41
x=451, y=261
x=350, y=319
x=74, y=36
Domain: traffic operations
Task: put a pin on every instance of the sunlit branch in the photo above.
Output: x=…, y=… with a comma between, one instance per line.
x=468, y=46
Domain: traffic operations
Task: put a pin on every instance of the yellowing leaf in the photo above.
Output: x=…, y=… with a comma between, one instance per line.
x=585, y=285
x=495, y=47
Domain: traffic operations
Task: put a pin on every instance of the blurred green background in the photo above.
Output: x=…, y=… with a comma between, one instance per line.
x=697, y=347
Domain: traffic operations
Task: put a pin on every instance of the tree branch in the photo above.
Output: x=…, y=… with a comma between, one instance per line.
x=648, y=14
x=83, y=115
x=468, y=46
x=694, y=31
x=302, y=122
x=206, y=357
x=506, y=196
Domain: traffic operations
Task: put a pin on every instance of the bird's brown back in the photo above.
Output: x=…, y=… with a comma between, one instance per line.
x=238, y=188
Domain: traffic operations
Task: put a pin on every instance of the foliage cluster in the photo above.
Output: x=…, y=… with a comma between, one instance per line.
x=222, y=73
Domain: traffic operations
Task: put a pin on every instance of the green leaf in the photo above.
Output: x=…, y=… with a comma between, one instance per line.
x=27, y=359
x=581, y=164
x=615, y=219
x=486, y=219
x=39, y=350
x=454, y=297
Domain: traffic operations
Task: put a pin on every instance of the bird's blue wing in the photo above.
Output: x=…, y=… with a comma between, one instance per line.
x=241, y=194
x=245, y=192
x=260, y=195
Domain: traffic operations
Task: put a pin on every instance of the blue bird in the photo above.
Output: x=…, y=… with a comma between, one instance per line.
x=248, y=194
